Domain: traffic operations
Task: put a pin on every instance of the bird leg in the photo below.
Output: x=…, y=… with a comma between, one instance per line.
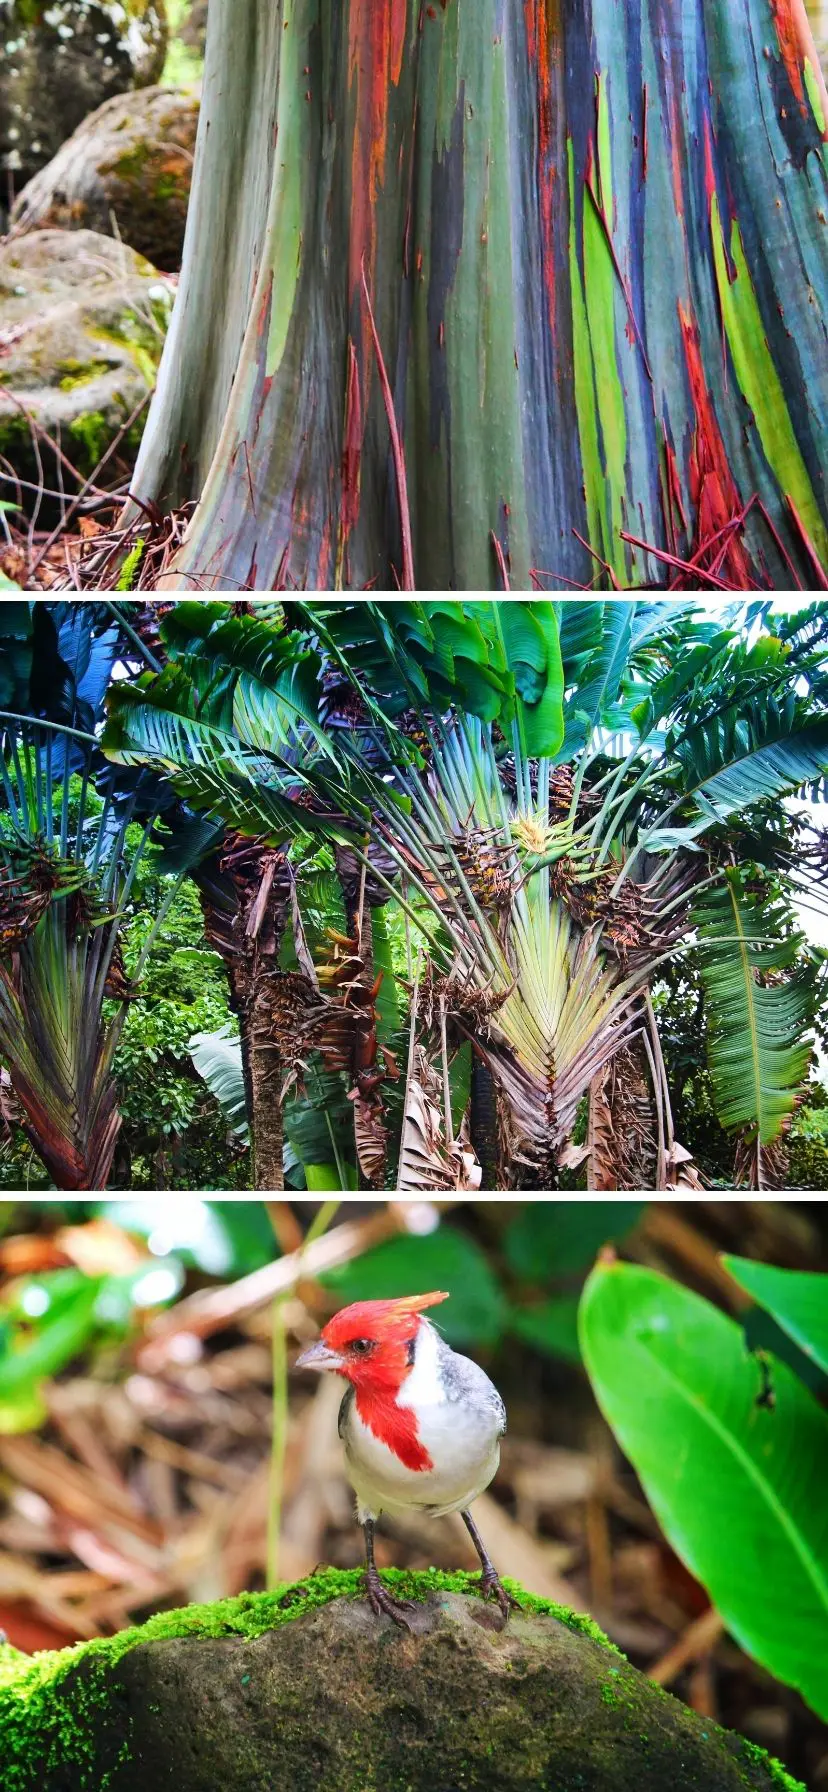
x=491, y=1585
x=379, y=1600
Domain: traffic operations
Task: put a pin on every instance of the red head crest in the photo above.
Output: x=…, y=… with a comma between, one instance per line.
x=378, y=1320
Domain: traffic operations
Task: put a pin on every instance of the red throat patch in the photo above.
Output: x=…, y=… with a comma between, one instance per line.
x=395, y=1426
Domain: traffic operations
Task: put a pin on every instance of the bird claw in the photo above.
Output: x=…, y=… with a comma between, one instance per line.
x=380, y=1601
x=491, y=1587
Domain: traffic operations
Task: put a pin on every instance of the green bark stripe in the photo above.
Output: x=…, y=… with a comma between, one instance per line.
x=759, y=380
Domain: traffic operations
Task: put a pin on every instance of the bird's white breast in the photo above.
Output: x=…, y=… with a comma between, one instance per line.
x=460, y=1435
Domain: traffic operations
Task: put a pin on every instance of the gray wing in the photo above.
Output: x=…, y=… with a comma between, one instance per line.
x=344, y=1410
x=462, y=1379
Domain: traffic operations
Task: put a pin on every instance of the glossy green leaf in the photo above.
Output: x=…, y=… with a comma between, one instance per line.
x=68, y=1322
x=738, y=1487
x=797, y=1299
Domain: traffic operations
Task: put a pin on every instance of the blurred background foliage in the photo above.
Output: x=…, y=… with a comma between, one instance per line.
x=156, y=1447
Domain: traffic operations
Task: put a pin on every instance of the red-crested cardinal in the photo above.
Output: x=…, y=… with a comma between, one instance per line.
x=421, y=1425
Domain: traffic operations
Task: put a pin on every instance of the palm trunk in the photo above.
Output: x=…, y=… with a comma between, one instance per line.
x=483, y=1122
x=369, y=1115
x=590, y=236
x=267, y=1130
x=244, y=897
x=262, y=1072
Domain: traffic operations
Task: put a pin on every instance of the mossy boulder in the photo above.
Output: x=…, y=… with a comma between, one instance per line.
x=82, y=324
x=59, y=59
x=305, y=1689
x=126, y=169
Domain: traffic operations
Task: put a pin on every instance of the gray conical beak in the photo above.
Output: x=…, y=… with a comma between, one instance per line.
x=318, y=1356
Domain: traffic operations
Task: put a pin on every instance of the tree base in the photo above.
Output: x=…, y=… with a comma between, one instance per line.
x=307, y=1690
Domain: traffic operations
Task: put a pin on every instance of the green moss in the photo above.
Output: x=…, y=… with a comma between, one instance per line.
x=758, y=1757
x=93, y=431
x=14, y=427
x=78, y=373
x=167, y=186
x=130, y=166
x=32, y=1709
x=50, y=1712
x=129, y=571
x=143, y=336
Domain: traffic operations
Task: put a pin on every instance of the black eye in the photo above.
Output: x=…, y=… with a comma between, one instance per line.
x=361, y=1346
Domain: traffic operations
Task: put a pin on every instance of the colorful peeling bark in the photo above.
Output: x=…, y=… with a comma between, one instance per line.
x=594, y=239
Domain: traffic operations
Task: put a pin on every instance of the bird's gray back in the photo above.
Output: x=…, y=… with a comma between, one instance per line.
x=464, y=1380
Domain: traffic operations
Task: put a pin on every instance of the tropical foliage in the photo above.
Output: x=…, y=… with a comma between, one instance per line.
x=452, y=857
x=556, y=799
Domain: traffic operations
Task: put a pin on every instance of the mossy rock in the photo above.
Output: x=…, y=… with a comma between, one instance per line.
x=84, y=320
x=59, y=59
x=305, y=1689
x=126, y=169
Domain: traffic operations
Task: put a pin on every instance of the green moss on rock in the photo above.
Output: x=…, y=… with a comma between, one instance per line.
x=78, y=373
x=303, y=1687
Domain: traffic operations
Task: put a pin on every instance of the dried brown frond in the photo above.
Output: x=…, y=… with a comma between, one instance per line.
x=760, y=1166
x=622, y=1123
x=118, y=985
x=370, y=1137
x=261, y=883
x=427, y=1160
x=487, y=864
x=459, y=999
x=40, y=877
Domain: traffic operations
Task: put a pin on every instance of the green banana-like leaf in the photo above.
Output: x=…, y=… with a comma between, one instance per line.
x=759, y=1051
x=796, y=1299
x=217, y=1058
x=738, y=1488
x=752, y=752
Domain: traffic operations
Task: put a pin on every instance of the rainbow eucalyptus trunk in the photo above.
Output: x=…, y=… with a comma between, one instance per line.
x=591, y=234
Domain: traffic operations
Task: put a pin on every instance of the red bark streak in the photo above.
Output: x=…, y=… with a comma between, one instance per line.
x=675, y=156
x=712, y=486
x=351, y=448
x=376, y=46
x=790, y=46
x=540, y=55
x=796, y=43
x=408, y=582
